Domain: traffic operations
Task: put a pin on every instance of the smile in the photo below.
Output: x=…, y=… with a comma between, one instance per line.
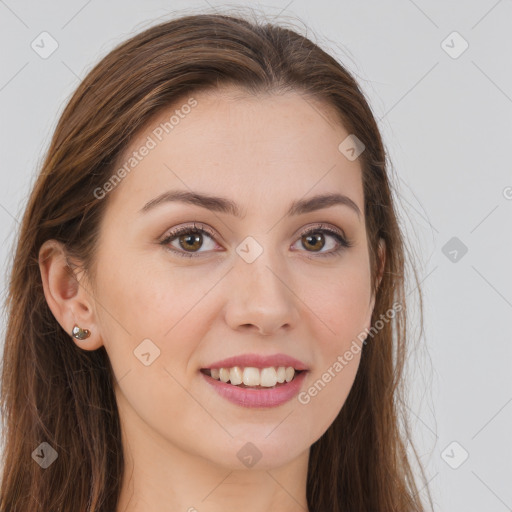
x=253, y=377
x=254, y=387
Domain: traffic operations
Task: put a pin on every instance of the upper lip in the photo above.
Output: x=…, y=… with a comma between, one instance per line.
x=259, y=361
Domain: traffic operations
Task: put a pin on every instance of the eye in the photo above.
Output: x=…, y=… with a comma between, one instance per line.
x=189, y=240
x=315, y=238
x=187, y=237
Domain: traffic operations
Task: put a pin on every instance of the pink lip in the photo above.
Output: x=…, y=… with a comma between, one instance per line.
x=246, y=397
x=259, y=361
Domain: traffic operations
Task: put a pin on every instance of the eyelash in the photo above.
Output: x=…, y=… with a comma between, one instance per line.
x=185, y=230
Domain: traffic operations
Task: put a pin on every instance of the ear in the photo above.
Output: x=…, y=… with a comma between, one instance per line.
x=380, y=273
x=66, y=294
x=382, y=259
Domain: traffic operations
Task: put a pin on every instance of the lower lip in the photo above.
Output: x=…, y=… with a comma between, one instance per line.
x=247, y=397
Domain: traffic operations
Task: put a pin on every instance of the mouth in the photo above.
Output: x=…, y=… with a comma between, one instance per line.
x=254, y=378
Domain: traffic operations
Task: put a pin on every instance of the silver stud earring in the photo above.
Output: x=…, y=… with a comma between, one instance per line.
x=79, y=333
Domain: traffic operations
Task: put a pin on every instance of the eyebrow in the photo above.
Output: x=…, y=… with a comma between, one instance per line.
x=224, y=205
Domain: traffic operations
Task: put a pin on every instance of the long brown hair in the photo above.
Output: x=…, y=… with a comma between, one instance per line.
x=54, y=392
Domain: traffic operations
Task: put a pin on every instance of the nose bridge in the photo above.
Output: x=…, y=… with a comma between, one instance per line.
x=260, y=281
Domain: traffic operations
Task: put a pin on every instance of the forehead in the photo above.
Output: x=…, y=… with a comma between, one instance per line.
x=232, y=143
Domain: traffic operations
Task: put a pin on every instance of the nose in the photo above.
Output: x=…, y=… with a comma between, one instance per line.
x=261, y=297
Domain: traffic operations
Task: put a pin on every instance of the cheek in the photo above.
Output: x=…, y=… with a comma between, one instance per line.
x=340, y=300
x=340, y=309
x=327, y=392
x=152, y=299
x=151, y=331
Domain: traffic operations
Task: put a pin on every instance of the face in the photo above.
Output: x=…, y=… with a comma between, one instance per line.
x=262, y=282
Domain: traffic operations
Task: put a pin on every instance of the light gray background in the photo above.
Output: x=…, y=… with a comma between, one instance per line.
x=447, y=123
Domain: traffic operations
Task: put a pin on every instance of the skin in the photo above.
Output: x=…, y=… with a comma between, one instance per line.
x=180, y=437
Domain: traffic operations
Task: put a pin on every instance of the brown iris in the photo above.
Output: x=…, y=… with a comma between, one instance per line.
x=314, y=240
x=191, y=240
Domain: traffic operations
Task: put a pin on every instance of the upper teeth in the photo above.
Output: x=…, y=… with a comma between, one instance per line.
x=266, y=377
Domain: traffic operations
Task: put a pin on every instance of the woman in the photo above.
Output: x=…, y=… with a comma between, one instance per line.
x=206, y=307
